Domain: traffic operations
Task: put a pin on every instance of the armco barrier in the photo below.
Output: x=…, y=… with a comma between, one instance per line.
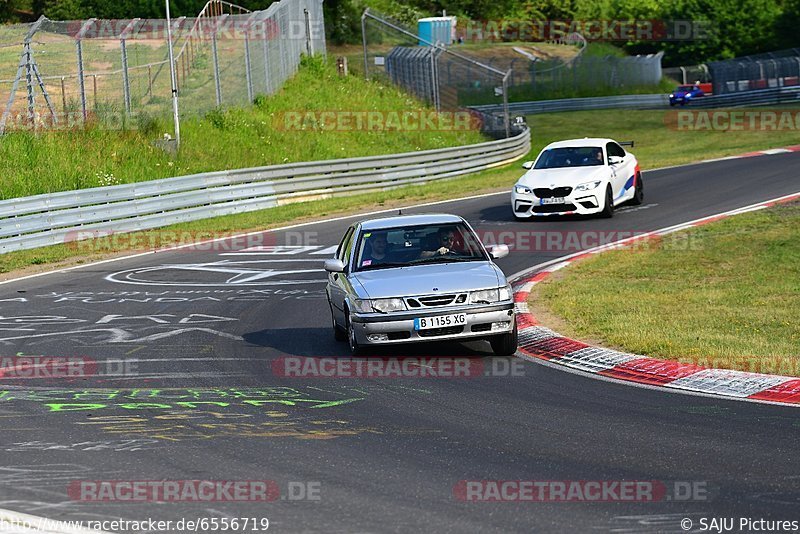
x=761, y=97
x=54, y=218
x=580, y=104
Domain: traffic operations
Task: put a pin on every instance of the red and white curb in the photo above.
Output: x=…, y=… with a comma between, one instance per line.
x=541, y=343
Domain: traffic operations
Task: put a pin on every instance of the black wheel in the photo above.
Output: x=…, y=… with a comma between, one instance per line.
x=638, y=194
x=608, y=209
x=355, y=348
x=505, y=344
x=339, y=333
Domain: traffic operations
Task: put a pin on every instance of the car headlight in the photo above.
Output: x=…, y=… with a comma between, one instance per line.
x=388, y=305
x=378, y=305
x=522, y=190
x=672, y=96
x=588, y=186
x=505, y=292
x=490, y=296
x=486, y=296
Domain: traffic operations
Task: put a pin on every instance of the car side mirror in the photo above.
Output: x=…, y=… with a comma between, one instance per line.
x=334, y=265
x=527, y=165
x=615, y=160
x=498, y=251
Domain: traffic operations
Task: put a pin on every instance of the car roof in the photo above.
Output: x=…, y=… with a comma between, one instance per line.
x=409, y=220
x=585, y=141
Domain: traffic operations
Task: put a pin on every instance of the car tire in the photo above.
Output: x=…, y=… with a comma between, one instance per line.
x=638, y=193
x=608, y=208
x=505, y=344
x=355, y=348
x=339, y=333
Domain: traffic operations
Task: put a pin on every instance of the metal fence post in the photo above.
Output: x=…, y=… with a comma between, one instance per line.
x=217, y=82
x=81, y=80
x=364, y=42
x=506, y=121
x=265, y=46
x=126, y=88
x=126, y=84
x=309, y=44
x=63, y=96
x=247, y=65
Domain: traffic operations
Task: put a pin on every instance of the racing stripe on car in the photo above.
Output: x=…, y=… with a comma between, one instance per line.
x=540, y=342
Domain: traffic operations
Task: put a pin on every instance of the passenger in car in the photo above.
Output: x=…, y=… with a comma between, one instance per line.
x=377, y=243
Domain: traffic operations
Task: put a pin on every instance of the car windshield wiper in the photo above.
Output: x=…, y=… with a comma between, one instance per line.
x=388, y=265
x=446, y=259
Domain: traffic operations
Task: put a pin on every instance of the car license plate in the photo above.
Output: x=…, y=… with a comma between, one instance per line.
x=440, y=321
x=554, y=200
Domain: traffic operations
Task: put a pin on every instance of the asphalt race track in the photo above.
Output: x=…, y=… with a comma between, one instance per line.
x=197, y=340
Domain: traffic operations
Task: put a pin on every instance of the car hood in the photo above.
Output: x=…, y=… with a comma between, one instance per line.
x=568, y=176
x=422, y=279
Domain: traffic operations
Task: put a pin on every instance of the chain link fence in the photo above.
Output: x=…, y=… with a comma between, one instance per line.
x=689, y=74
x=490, y=73
x=63, y=74
x=760, y=71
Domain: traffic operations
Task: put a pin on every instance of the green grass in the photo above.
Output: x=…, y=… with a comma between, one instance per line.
x=657, y=143
x=241, y=137
x=655, y=147
x=726, y=294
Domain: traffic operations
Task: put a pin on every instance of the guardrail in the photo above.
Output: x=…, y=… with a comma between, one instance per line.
x=760, y=97
x=580, y=104
x=50, y=219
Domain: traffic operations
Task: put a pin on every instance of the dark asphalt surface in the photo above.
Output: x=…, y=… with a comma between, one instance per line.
x=199, y=395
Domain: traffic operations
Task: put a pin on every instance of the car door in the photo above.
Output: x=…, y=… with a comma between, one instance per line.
x=622, y=180
x=337, y=282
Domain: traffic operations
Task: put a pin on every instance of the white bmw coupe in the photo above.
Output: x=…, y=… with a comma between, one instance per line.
x=578, y=177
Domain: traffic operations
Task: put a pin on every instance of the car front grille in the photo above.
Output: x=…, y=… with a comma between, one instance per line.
x=436, y=300
x=446, y=331
x=544, y=192
x=554, y=208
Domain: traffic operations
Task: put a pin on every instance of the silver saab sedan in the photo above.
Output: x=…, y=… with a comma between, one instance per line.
x=414, y=278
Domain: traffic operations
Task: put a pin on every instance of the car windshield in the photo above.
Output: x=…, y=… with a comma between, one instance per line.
x=405, y=246
x=684, y=88
x=583, y=156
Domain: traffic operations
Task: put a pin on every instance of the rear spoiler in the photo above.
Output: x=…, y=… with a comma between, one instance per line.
x=627, y=143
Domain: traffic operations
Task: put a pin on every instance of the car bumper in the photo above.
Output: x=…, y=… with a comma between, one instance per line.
x=399, y=328
x=582, y=203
